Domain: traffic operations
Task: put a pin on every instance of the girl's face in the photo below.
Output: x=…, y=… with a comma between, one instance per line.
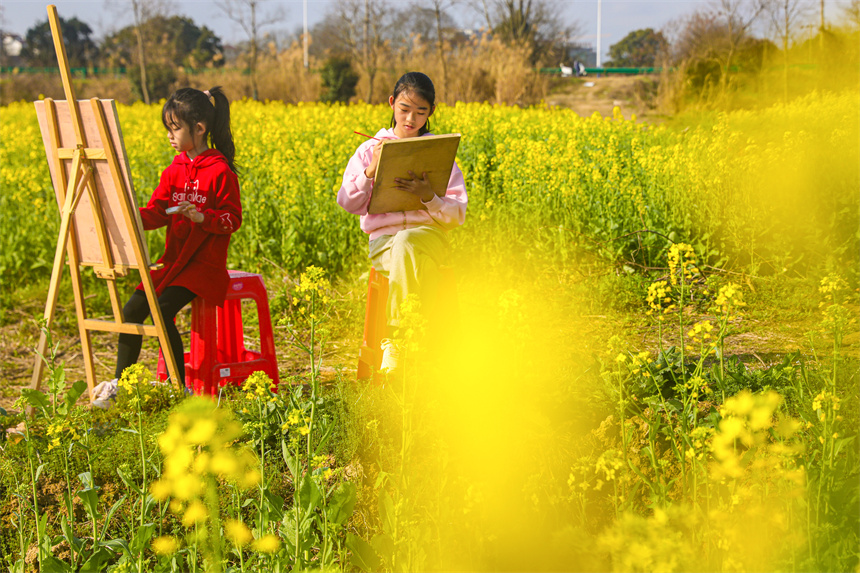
x=410, y=113
x=184, y=137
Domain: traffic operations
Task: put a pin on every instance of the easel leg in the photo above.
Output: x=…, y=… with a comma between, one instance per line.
x=63, y=246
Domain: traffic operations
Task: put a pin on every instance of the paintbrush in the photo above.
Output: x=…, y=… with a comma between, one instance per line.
x=367, y=136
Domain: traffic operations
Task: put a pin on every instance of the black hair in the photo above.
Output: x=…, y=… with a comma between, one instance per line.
x=420, y=85
x=191, y=106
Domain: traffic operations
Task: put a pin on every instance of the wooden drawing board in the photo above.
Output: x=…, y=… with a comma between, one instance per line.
x=433, y=154
x=85, y=227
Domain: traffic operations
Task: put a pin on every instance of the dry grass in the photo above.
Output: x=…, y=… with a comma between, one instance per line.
x=480, y=70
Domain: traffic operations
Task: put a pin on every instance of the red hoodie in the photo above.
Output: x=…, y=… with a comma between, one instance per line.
x=195, y=254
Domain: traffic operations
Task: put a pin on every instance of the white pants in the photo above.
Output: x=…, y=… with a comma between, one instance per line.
x=410, y=260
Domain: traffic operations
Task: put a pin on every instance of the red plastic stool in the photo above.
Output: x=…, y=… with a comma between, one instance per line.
x=217, y=355
x=376, y=319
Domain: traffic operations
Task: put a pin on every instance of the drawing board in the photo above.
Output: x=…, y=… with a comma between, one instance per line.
x=433, y=154
x=85, y=224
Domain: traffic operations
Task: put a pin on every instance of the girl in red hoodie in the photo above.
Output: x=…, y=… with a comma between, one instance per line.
x=198, y=201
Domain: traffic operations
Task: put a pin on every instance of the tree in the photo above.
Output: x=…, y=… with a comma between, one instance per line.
x=851, y=14
x=252, y=17
x=81, y=51
x=711, y=43
x=785, y=18
x=432, y=21
x=737, y=17
x=360, y=30
x=170, y=42
x=338, y=79
x=142, y=13
x=533, y=23
x=638, y=49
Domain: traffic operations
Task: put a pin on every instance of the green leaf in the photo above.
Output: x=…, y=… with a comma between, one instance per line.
x=109, y=516
x=53, y=565
x=128, y=481
x=141, y=538
x=149, y=503
x=96, y=561
x=75, y=392
x=841, y=443
x=86, y=479
x=292, y=463
x=117, y=545
x=386, y=512
x=36, y=399
x=341, y=503
x=90, y=498
x=75, y=542
x=275, y=505
x=326, y=435
x=363, y=556
x=288, y=530
x=58, y=379
x=309, y=494
x=39, y=472
x=383, y=545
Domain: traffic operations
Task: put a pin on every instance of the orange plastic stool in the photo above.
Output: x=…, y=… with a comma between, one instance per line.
x=376, y=319
x=217, y=355
x=375, y=325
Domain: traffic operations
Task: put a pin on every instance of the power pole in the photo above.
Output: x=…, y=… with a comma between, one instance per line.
x=305, y=35
x=598, y=31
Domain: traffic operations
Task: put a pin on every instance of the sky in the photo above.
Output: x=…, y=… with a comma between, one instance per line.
x=618, y=17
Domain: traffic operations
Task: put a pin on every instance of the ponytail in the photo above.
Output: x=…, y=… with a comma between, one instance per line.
x=220, y=133
x=192, y=106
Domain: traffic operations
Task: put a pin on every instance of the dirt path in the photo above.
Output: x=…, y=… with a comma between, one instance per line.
x=632, y=94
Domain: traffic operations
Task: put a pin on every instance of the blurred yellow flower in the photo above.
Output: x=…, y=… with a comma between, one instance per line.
x=267, y=544
x=194, y=514
x=237, y=532
x=165, y=545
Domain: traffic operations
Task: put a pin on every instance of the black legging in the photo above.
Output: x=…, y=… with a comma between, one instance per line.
x=171, y=301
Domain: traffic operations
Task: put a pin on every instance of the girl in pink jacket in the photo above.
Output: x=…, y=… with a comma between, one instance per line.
x=407, y=246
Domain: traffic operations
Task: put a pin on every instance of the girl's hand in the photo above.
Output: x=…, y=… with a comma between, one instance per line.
x=420, y=187
x=370, y=171
x=189, y=210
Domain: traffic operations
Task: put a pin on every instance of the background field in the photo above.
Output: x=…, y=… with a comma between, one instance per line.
x=564, y=425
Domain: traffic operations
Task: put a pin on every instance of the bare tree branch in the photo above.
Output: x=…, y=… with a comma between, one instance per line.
x=252, y=16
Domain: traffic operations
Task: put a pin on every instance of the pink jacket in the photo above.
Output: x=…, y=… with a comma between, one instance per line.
x=443, y=212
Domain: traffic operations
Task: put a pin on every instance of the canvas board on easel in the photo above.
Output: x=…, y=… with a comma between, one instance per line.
x=86, y=227
x=431, y=154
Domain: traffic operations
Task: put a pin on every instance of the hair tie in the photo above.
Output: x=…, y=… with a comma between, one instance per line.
x=206, y=93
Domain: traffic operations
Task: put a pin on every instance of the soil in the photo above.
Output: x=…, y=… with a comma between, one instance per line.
x=758, y=340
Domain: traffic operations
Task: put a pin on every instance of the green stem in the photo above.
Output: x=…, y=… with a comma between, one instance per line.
x=143, y=469
x=261, y=518
x=238, y=548
x=213, y=539
x=35, y=497
x=298, y=564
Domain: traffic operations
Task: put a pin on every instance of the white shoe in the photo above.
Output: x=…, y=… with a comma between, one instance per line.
x=104, y=393
x=390, y=356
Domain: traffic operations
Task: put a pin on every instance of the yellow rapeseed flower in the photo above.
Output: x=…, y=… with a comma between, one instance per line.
x=267, y=544
x=165, y=545
x=194, y=514
x=237, y=532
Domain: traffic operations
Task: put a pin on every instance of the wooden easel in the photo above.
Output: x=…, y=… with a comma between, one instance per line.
x=108, y=235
